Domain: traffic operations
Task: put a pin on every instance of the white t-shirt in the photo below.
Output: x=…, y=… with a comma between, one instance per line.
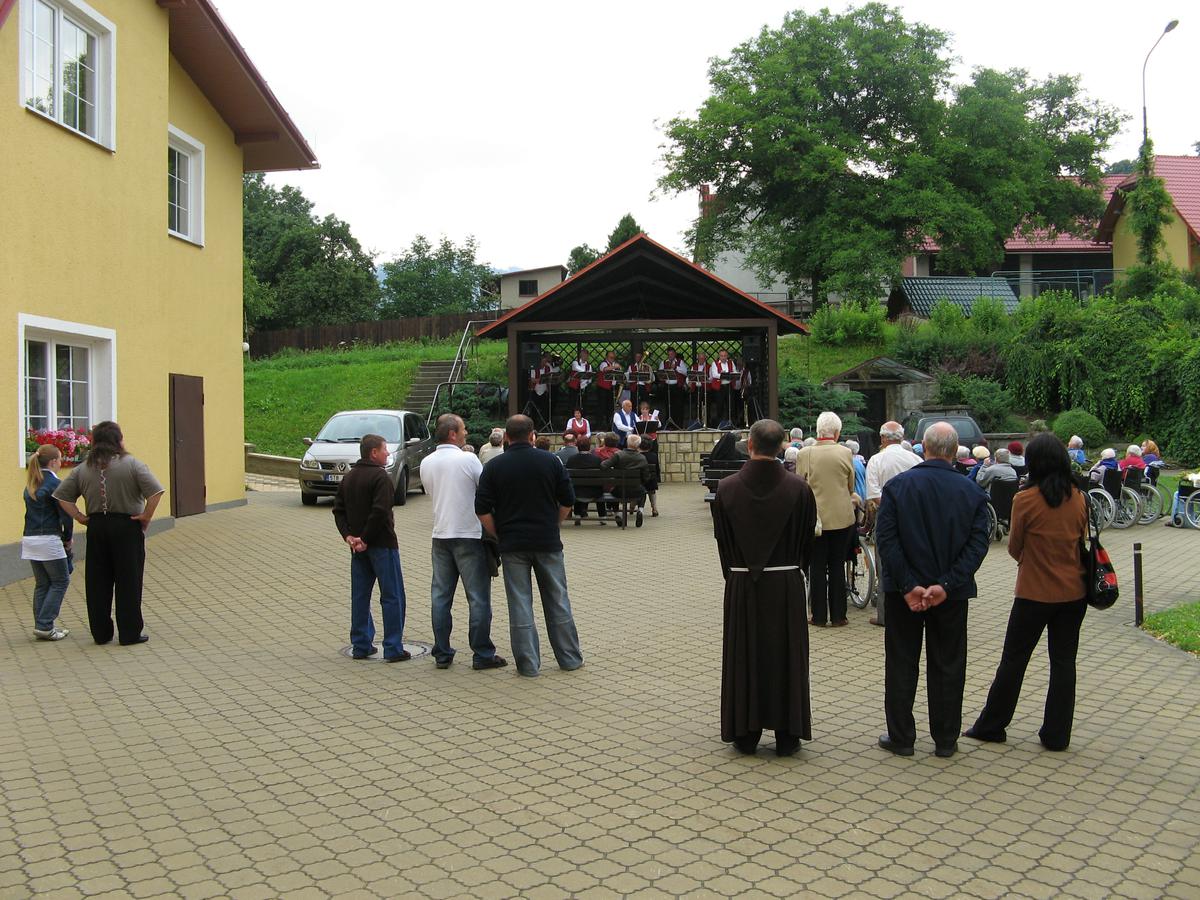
x=42, y=547
x=450, y=476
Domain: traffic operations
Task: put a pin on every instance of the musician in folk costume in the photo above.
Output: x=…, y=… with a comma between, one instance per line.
x=579, y=383
x=578, y=425
x=539, y=383
x=638, y=390
x=763, y=519
x=720, y=395
x=646, y=414
x=676, y=370
x=605, y=385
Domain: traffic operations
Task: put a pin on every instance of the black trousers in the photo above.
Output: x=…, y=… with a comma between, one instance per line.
x=944, y=629
x=827, y=575
x=1026, y=622
x=116, y=558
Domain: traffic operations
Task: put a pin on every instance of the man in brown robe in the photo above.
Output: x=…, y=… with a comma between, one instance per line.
x=764, y=518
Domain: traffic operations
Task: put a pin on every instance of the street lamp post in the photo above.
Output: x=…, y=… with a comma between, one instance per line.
x=1145, y=129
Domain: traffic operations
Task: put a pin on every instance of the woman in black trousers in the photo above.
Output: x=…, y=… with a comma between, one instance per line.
x=120, y=495
x=1049, y=521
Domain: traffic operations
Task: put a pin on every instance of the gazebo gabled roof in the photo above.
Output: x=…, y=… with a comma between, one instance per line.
x=642, y=279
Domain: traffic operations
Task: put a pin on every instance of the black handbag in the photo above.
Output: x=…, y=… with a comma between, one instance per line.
x=1100, y=575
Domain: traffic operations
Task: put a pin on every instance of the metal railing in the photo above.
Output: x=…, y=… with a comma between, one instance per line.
x=459, y=367
x=1080, y=282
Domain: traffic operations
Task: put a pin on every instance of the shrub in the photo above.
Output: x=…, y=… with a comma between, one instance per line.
x=801, y=401
x=947, y=318
x=1082, y=423
x=848, y=323
x=988, y=401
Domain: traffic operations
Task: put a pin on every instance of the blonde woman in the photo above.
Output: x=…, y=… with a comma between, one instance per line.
x=46, y=541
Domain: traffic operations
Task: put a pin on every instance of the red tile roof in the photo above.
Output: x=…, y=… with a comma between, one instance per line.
x=1182, y=177
x=1041, y=243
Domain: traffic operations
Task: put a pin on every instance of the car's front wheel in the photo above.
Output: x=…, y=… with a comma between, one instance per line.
x=308, y=499
x=402, y=488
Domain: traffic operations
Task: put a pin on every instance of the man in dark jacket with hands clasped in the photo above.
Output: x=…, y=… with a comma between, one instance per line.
x=932, y=535
x=362, y=510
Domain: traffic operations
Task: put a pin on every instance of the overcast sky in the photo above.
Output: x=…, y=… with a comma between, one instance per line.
x=536, y=125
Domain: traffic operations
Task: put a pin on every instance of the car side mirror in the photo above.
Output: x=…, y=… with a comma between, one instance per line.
x=411, y=441
x=307, y=442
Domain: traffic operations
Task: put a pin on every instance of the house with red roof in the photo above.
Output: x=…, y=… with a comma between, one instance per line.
x=1088, y=264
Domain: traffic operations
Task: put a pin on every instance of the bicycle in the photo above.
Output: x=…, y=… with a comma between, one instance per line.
x=861, y=569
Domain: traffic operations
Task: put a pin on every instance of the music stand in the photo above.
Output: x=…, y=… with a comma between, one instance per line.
x=638, y=380
x=649, y=427
x=697, y=377
x=618, y=380
x=727, y=388
x=669, y=378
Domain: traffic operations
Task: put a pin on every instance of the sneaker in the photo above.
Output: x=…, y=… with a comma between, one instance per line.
x=50, y=634
x=496, y=662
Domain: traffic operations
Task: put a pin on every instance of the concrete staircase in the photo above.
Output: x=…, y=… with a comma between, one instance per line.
x=430, y=373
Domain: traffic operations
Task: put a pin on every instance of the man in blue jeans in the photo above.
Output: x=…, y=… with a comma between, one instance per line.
x=450, y=475
x=362, y=510
x=522, y=497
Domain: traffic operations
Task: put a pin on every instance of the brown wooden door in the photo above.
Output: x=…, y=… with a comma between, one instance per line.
x=187, y=445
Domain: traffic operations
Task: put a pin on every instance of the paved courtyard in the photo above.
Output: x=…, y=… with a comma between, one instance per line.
x=240, y=754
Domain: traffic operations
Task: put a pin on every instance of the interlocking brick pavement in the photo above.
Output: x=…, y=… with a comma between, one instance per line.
x=239, y=754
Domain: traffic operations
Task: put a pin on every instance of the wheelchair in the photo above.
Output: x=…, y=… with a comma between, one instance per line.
x=1118, y=503
x=1001, y=494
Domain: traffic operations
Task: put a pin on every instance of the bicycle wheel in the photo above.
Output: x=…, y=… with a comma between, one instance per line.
x=870, y=562
x=1191, y=509
x=1102, y=502
x=1129, y=508
x=1153, y=504
x=857, y=591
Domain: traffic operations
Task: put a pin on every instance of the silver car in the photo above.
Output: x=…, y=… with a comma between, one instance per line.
x=335, y=449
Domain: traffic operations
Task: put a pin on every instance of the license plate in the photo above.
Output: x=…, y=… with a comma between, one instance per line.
x=334, y=478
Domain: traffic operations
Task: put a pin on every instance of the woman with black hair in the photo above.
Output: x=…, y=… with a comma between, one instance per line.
x=120, y=495
x=1049, y=522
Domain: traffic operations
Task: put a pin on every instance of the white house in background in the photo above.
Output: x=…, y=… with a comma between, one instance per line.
x=517, y=288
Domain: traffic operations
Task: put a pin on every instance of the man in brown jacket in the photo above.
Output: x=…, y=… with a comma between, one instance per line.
x=362, y=510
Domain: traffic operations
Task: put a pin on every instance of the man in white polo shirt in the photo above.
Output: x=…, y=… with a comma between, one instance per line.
x=890, y=461
x=450, y=476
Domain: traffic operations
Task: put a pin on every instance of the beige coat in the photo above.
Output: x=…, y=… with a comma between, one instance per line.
x=828, y=467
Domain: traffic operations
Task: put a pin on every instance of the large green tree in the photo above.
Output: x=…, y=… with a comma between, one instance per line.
x=581, y=257
x=428, y=280
x=837, y=145
x=626, y=228
x=300, y=270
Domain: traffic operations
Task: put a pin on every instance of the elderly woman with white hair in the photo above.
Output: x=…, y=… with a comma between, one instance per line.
x=1133, y=459
x=860, y=468
x=796, y=437
x=828, y=467
x=1075, y=450
x=494, y=446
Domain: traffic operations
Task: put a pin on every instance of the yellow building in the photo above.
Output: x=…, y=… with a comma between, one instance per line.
x=1181, y=236
x=121, y=165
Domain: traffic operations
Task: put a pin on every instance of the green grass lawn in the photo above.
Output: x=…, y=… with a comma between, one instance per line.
x=800, y=355
x=290, y=396
x=1179, y=626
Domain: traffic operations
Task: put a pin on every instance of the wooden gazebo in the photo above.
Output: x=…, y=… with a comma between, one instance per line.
x=642, y=297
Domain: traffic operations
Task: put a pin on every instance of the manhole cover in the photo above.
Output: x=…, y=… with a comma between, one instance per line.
x=416, y=648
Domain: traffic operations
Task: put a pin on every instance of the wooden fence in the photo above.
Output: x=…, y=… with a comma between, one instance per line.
x=268, y=343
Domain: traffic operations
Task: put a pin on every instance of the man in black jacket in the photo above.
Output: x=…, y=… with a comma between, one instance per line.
x=932, y=535
x=522, y=497
x=362, y=510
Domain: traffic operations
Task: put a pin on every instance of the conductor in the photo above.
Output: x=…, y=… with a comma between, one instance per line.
x=763, y=518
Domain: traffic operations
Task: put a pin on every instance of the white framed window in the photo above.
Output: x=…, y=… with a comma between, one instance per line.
x=68, y=66
x=185, y=186
x=67, y=375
